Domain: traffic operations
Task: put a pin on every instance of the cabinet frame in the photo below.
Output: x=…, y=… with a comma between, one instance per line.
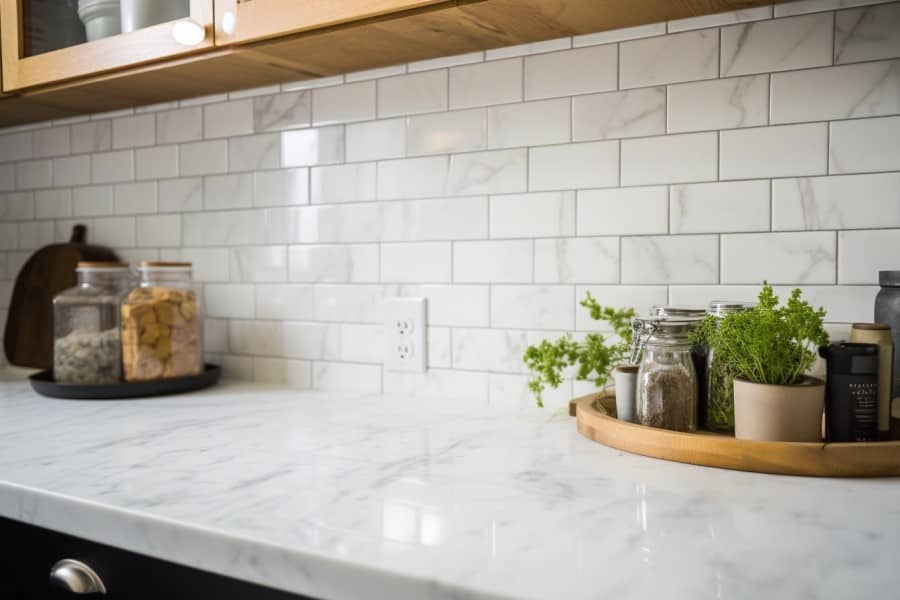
x=145, y=45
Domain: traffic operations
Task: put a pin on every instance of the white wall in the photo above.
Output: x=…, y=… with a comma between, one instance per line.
x=675, y=162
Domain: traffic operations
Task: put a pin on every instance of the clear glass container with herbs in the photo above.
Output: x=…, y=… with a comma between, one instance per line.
x=667, y=380
x=719, y=379
x=86, y=343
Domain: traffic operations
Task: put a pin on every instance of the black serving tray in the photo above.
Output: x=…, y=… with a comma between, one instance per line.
x=44, y=385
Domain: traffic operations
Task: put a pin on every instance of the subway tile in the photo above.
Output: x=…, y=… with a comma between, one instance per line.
x=53, y=204
x=51, y=141
x=362, y=343
x=542, y=214
x=497, y=172
x=181, y=195
x=782, y=151
x=533, y=306
x=620, y=35
x=227, y=118
x=17, y=206
x=95, y=200
x=9, y=240
x=35, y=234
x=259, y=264
x=529, y=123
x=152, y=108
x=470, y=387
x=525, y=49
x=639, y=297
x=593, y=164
x=116, y=232
x=435, y=219
x=229, y=300
x=72, y=170
x=284, y=302
x=349, y=303
x=34, y=174
x=623, y=211
x=865, y=145
x=254, y=152
x=93, y=136
x=347, y=377
x=227, y=191
x=227, y=228
x=714, y=207
x=445, y=62
x=376, y=140
x=495, y=350
x=353, y=182
x=16, y=146
x=344, y=263
x=669, y=59
x=789, y=258
x=412, y=178
x=311, y=341
x=8, y=177
x=292, y=373
x=236, y=367
x=619, y=114
x=134, y=198
x=671, y=159
x=412, y=94
x=203, y=158
x=670, y=259
x=719, y=104
x=493, y=262
x=288, y=110
x=181, y=125
x=156, y=163
x=837, y=202
x=209, y=264
x=484, y=84
x=571, y=72
x=283, y=187
x=63, y=229
x=439, y=348
x=800, y=7
x=724, y=18
x=867, y=33
x=511, y=392
x=777, y=45
x=130, y=132
x=215, y=335
x=861, y=254
x=453, y=305
x=376, y=73
x=863, y=90
x=577, y=260
x=418, y=262
x=254, y=92
x=339, y=223
x=443, y=133
x=312, y=147
x=158, y=231
x=308, y=84
x=343, y=103
x=254, y=337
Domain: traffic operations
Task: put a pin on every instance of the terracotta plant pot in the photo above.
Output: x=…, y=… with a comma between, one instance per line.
x=779, y=413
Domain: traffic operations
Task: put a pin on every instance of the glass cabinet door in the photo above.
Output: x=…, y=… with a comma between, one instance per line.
x=49, y=41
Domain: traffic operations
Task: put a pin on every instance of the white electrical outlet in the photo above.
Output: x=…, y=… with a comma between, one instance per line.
x=405, y=341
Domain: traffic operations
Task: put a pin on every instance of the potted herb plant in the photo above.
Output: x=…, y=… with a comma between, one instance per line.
x=768, y=349
x=593, y=358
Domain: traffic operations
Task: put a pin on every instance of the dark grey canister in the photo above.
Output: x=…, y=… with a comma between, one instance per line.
x=887, y=310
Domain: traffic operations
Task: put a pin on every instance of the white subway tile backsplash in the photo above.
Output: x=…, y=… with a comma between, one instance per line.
x=155, y=163
x=93, y=136
x=411, y=94
x=526, y=49
x=807, y=257
x=284, y=302
x=53, y=204
x=571, y=72
x=865, y=145
x=425, y=262
x=290, y=110
x=224, y=228
x=435, y=219
x=719, y=104
x=576, y=260
x=312, y=341
x=181, y=195
x=670, y=159
x=52, y=141
x=339, y=223
x=439, y=348
x=453, y=305
x=484, y=84
x=71, y=170
x=259, y=264
x=442, y=133
x=497, y=172
x=7, y=177
x=349, y=303
x=17, y=206
x=202, y=158
x=782, y=151
x=778, y=45
x=34, y=174
x=158, y=231
x=672, y=259
x=493, y=262
x=412, y=178
x=842, y=202
x=376, y=140
x=669, y=59
x=116, y=232
x=861, y=254
x=254, y=337
x=619, y=114
x=542, y=214
x=867, y=33
x=724, y=18
x=565, y=167
x=624, y=211
x=715, y=207
x=343, y=103
x=639, y=297
x=254, y=152
x=529, y=123
x=35, y=234
x=353, y=182
x=227, y=191
x=312, y=147
x=863, y=90
x=619, y=35
x=376, y=73
x=362, y=343
x=227, y=118
x=138, y=130
x=344, y=263
x=533, y=306
x=494, y=350
x=172, y=126
x=445, y=61
x=281, y=188
x=209, y=264
x=346, y=377
x=96, y=200
x=800, y=7
x=134, y=198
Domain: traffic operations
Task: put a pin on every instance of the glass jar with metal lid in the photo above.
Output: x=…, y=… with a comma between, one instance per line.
x=698, y=351
x=86, y=343
x=161, y=324
x=719, y=380
x=667, y=380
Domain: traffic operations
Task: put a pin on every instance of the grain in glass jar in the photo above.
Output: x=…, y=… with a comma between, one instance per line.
x=667, y=381
x=161, y=324
x=86, y=345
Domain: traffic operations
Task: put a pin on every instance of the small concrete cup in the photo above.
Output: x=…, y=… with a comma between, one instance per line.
x=626, y=387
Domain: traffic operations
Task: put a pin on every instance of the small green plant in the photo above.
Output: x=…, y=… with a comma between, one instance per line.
x=594, y=357
x=770, y=343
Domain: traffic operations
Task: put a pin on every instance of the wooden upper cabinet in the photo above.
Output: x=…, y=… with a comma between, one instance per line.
x=27, y=42
x=242, y=21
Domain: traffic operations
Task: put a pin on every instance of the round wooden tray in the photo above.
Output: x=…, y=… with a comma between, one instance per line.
x=596, y=421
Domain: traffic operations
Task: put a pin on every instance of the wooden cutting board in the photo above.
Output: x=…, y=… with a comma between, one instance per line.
x=28, y=340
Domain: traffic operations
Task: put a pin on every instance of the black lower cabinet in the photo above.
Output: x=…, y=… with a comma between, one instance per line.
x=28, y=553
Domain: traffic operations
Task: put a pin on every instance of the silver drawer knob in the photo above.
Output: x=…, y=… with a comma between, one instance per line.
x=76, y=577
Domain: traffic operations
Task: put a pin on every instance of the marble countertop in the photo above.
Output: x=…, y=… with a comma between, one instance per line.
x=349, y=497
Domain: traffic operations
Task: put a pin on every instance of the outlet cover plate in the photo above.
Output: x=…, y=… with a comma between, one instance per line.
x=405, y=335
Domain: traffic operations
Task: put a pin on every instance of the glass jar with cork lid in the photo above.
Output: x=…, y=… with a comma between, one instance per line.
x=161, y=324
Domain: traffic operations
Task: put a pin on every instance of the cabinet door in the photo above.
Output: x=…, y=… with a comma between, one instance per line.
x=50, y=41
x=239, y=21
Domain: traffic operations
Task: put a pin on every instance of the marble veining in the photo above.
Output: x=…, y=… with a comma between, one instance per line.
x=349, y=496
